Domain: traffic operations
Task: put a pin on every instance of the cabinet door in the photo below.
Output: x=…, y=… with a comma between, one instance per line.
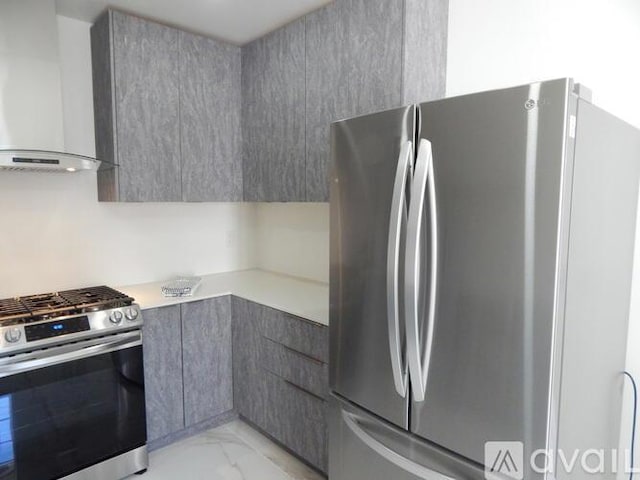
x=354, y=67
x=206, y=351
x=163, y=371
x=210, y=129
x=328, y=95
x=273, y=116
x=249, y=389
x=146, y=76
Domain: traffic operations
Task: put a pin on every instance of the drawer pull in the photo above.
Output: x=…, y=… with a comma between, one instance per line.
x=296, y=352
x=304, y=390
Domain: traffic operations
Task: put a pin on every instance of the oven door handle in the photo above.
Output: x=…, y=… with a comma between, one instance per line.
x=45, y=358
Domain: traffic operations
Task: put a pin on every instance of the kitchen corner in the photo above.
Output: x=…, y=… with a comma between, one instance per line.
x=408, y=229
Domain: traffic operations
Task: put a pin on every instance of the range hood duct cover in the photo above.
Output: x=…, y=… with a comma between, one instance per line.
x=31, y=107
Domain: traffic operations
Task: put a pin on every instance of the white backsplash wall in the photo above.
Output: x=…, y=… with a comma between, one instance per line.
x=500, y=43
x=54, y=234
x=293, y=238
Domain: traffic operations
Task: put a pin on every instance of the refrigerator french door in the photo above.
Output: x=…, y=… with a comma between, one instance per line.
x=449, y=239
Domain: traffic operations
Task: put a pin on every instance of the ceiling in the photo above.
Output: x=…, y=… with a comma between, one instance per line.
x=235, y=21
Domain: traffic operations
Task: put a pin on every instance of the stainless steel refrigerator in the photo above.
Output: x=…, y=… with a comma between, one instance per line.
x=481, y=261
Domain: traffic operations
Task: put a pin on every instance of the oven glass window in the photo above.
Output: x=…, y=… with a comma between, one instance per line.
x=60, y=419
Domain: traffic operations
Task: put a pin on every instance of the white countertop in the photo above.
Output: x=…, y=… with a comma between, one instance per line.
x=303, y=298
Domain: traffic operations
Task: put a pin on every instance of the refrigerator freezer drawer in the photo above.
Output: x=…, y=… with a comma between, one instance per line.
x=364, y=447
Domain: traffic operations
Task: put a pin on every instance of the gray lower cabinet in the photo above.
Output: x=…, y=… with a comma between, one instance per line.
x=162, y=350
x=206, y=357
x=167, y=110
x=187, y=366
x=281, y=378
x=273, y=116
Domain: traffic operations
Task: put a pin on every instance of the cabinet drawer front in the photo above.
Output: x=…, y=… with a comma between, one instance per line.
x=298, y=420
x=294, y=332
x=297, y=368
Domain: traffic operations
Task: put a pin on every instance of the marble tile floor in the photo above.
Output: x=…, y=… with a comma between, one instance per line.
x=233, y=451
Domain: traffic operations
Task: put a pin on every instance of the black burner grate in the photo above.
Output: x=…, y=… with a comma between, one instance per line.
x=96, y=297
x=69, y=302
x=12, y=308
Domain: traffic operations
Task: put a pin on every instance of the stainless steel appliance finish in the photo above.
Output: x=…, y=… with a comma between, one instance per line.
x=118, y=467
x=72, y=386
x=100, y=310
x=498, y=170
x=366, y=188
x=46, y=161
x=483, y=242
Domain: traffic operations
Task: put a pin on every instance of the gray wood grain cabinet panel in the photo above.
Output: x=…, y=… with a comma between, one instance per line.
x=276, y=387
x=294, y=367
x=364, y=56
x=329, y=96
x=249, y=389
x=301, y=421
x=375, y=43
x=425, y=50
x=273, y=116
x=354, y=67
x=295, y=333
x=206, y=354
x=210, y=128
x=104, y=107
x=162, y=350
x=146, y=79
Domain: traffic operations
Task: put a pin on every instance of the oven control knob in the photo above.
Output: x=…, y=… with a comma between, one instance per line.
x=12, y=335
x=131, y=314
x=116, y=317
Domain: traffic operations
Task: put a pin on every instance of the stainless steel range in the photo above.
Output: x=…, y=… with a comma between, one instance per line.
x=71, y=386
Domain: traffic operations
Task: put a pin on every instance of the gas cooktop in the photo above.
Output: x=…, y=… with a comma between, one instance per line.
x=43, y=320
x=35, y=308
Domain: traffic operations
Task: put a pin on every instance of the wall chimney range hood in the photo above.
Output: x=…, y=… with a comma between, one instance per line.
x=31, y=107
x=46, y=161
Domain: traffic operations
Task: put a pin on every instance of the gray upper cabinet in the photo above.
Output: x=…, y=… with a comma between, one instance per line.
x=162, y=350
x=189, y=118
x=145, y=135
x=206, y=352
x=167, y=109
x=210, y=129
x=364, y=56
x=329, y=96
x=273, y=116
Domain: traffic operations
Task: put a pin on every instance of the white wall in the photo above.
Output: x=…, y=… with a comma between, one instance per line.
x=54, y=234
x=499, y=43
x=293, y=238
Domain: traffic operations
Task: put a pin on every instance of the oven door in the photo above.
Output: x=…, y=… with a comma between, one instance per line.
x=66, y=408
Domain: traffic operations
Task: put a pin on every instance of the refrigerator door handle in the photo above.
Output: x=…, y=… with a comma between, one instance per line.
x=396, y=223
x=419, y=358
x=354, y=424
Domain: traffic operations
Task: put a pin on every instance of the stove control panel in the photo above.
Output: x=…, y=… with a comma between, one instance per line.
x=40, y=331
x=29, y=336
